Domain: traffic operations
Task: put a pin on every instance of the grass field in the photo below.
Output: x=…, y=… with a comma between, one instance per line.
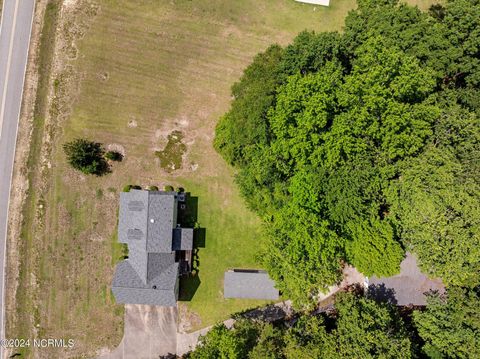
x=153, y=69
x=146, y=69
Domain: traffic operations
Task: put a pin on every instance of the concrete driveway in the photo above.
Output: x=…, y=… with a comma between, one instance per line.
x=149, y=332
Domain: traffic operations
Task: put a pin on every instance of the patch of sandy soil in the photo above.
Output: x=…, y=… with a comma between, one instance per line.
x=190, y=133
x=69, y=3
x=116, y=147
x=187, y=319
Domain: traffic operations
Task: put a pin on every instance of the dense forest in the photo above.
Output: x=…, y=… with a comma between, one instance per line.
x=354, y=147
x=359, y=327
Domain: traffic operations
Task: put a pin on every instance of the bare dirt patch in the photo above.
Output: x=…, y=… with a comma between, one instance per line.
x=187, y=319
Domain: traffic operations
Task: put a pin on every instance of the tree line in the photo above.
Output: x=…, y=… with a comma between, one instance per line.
x=355, y=147
x=358, y=327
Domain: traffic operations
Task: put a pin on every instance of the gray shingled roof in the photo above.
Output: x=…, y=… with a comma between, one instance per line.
x=182, y=239
x=160, y=289
x=150, y=274
x=406, y=288
x=162, y=218
x=164, y=298
x=253, y=285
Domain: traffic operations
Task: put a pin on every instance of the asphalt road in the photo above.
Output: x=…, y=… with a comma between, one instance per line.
x=16, y=26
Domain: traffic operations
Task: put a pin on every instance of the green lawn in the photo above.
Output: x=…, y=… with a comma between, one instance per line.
x=231, y=241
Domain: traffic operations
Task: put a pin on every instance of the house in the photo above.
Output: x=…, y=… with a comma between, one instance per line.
x=406, y=288
x=316, y=2
x=248, y=283
x=159, y=249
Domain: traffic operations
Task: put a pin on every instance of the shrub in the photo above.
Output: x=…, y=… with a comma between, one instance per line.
x=114, y=156
x=128, y=187
x=152, y=188
x=168, y=188
x=86, y=156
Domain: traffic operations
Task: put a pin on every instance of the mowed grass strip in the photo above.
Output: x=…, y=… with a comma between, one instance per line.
x=26, y=315
x=149, y=68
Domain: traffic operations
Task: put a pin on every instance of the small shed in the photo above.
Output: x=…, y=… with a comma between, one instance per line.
x=249, y=284
x=316, y=2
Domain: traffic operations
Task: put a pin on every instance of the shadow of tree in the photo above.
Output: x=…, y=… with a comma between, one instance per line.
x=382, y=294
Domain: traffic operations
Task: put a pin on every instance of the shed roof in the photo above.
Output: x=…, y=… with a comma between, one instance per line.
x=249, y=284
x=316, y=2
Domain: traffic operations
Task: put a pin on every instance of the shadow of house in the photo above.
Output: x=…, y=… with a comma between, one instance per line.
x=187, y=209
x=188, y=287
x=188, y=217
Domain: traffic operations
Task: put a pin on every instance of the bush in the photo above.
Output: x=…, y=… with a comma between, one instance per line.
x=114, y=156
x=86, y=156
x=152, y=188
x=128, y=187
x=168, y=188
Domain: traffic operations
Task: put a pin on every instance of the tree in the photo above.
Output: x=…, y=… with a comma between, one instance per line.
x=224, y=343
x=244, y=126
x=303, y=256
x=269, y=344
x=86, y=156
x=374, y=249
x=435, y=201
x=366, y=329
x=354, y=147
x=361, y=328
x=358, y=328
x=336, y=142
x=450, y=326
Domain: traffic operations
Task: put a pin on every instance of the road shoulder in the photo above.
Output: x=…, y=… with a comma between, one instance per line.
x=19, y=185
